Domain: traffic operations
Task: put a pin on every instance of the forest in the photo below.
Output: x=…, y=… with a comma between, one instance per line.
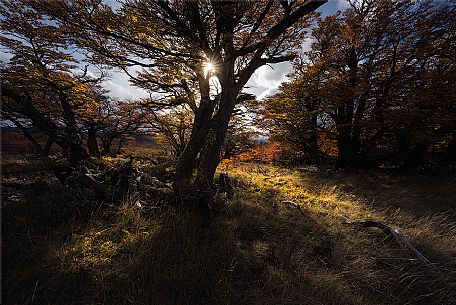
x=228, y=152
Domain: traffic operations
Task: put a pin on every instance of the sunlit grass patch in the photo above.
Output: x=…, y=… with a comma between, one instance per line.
x=290, y=185
x=92, y=250
x=104, y=242
x=110, y=162
x=353, y=264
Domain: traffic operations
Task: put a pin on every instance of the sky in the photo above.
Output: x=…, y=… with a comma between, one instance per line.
x=265, y=81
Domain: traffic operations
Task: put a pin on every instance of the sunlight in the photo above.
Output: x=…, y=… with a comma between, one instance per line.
x=209, y=68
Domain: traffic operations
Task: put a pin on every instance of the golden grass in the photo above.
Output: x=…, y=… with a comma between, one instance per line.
x=361, y=263
x=65, y=249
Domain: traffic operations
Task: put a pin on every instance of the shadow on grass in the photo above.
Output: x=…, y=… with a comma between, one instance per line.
x=418, y=195
x=258, y=250
x=363, y=266
x=35, y=225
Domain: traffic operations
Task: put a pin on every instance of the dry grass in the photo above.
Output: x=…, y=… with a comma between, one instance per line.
x=62, y=247
x=360, y=264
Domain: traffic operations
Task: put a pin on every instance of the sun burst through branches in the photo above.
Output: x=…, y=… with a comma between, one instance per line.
x=209, y=68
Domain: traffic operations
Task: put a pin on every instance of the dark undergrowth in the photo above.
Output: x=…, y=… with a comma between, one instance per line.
x=61, y=246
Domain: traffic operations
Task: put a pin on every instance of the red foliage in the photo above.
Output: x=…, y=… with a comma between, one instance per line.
x=268, y=154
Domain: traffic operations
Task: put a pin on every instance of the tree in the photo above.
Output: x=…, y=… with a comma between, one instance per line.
x=369, y=68
x=294, y=115
x=119, y=121
x=172, y=128
x=37, y=84
x=181, y=45
x=240, y=134
x=113, y=121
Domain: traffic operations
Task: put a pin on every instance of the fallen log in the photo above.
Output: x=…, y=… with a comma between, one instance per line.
x=396, y=233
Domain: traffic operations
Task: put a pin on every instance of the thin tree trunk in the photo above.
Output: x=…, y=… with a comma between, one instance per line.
x=107, y=142
x=119, y=147
x=313, y=141
x=27, y=134
x=48, y=146
x=92, y=143
x=76, y=151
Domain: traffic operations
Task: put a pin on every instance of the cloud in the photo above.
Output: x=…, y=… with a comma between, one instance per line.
x=117, y=84
x=332, y=6
x=267, y=79
x=119, y=87
x=115, y=4
x=342, y=5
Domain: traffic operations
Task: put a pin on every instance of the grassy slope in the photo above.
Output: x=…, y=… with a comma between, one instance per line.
x=61, y=248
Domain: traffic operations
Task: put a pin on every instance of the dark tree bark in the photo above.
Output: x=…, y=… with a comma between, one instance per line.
x=77, y=152
x=68, y=138
x=27, y=134
x=92, y=143
x=187, y=162
x=107, y=142
x=210, y=156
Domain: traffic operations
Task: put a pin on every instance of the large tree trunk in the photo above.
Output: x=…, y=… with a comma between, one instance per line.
x=187, y=162
x=199, y=194
x=204, y=147
x=182, y=182
x=347, y=146
x=348, y=138
x=210, y=155
x=348, y=119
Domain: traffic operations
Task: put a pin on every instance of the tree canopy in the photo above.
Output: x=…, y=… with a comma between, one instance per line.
x=378, y=80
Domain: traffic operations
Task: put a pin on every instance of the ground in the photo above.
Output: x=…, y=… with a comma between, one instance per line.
x=284, y=238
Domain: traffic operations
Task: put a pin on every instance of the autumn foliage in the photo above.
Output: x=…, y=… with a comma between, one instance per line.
x=376, y=86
